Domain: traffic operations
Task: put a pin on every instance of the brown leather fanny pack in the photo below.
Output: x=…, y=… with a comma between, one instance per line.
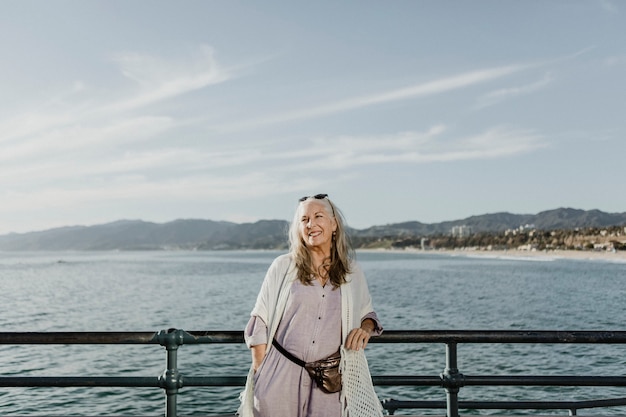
x=324, y=372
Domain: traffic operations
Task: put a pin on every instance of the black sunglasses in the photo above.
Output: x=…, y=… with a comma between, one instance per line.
x=316, y=196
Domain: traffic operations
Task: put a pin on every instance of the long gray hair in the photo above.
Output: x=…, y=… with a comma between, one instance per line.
x=341, y=252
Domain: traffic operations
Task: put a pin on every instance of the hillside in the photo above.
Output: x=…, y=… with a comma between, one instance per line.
x=272, y=234
x=140, y=235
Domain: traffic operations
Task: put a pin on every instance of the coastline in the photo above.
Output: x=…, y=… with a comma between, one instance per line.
x=604, y=256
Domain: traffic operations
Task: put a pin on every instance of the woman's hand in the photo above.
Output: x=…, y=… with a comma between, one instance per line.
x=357, y=338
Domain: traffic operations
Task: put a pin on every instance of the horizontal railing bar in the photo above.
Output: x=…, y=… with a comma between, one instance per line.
x=534, y=380
x=389, y=336
x=214, y=381
x=415, y=381
x=380, y=380
x=216, y=336
x=499, y=336
x=73, y=381
x=518, y=380
x=393, y=405
x=608, y=381
x=83, y=381
x=77, y=338
x=121, y=338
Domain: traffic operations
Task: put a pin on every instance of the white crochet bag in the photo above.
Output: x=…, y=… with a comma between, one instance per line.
x=358, y=397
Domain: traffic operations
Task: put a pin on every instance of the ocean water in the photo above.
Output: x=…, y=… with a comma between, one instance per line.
x=152, y=291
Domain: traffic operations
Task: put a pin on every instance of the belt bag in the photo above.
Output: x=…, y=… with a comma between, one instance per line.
x=324, y=372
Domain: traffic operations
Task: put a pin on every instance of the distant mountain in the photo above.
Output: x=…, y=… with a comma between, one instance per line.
x=272, y=234
x=562, y=218
x=140, y=235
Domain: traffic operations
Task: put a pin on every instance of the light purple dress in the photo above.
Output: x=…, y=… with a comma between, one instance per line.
x=310, y=329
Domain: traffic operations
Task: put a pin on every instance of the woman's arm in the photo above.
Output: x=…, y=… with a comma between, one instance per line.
x=369, y=325
x=258, y=353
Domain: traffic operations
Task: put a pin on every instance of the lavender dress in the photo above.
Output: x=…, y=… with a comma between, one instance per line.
x=311, y=330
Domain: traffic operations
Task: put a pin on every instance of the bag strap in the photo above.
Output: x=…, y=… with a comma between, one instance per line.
x=288, y=355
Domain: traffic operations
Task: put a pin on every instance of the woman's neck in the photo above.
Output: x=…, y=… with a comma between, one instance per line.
x=319, y=257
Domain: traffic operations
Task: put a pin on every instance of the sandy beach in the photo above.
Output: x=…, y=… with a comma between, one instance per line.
x=619, y=256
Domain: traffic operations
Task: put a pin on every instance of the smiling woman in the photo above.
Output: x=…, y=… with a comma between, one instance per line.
x=313, y=302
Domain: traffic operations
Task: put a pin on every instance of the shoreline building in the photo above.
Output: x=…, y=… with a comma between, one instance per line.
x=461, y=231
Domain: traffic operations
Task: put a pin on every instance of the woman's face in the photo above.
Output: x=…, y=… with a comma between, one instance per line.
x=316, y=225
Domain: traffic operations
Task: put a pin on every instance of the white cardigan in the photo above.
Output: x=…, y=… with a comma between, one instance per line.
x=270, y=305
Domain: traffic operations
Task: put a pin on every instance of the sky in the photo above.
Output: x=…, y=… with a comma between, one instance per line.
x=232, y=110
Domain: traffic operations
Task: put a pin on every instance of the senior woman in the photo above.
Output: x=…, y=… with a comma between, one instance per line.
x=313, y=301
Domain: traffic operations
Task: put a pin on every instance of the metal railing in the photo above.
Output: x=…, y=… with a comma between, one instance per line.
x=451, y=379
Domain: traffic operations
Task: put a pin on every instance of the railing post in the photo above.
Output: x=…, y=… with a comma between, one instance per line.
x=452, y=380
x=171, y=380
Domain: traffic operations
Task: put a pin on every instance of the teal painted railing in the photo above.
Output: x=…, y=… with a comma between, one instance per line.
x=451, y=379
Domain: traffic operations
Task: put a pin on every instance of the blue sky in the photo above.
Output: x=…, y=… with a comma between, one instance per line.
x=232, y=110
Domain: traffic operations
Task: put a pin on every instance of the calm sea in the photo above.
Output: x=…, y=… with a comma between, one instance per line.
x=151, y=291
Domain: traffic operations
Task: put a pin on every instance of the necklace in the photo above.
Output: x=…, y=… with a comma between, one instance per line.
x=322, y=280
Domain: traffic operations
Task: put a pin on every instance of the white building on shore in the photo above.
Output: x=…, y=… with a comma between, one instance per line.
x=461, y=231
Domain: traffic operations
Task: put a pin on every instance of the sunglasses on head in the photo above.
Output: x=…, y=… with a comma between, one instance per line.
x=316, y=196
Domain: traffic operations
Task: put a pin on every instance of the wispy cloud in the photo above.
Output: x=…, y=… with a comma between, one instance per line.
x=155, y=79
x=497, y=96
x=615, y=61
x=161, y=79
x=131, y=188
x=171, y=163
x=77, y=139
x=609, y=6
x=417, y=148
x=83, y=132
x=192, y=172
x=438, y=86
